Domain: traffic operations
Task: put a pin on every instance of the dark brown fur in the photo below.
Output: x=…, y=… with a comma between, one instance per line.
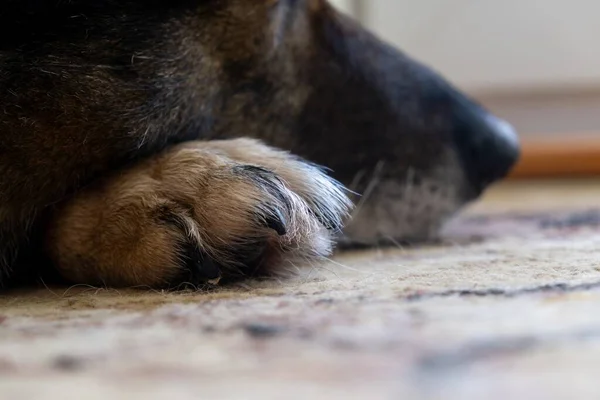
x=90, y=89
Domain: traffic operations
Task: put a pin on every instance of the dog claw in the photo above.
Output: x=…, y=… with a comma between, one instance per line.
x=277, y=222
x=201, y=266
x=209, y=271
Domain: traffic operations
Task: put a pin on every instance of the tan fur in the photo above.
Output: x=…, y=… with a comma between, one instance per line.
x=112, y=233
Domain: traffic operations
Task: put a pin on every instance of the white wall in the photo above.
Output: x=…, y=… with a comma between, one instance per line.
x=488, y=45
x=344, y=5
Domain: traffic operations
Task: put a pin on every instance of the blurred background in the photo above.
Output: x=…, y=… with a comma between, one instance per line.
x=532, y=62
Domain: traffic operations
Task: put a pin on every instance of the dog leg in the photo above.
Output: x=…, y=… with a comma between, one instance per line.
x=198, y=212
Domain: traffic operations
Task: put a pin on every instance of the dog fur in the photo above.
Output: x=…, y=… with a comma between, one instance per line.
x=125, y=156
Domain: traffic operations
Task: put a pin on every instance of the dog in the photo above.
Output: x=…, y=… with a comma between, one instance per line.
x=150, y=143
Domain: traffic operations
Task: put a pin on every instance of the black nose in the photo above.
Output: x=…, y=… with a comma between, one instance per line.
x=487, y=146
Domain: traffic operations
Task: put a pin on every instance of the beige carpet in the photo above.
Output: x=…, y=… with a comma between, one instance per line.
x=507, y=307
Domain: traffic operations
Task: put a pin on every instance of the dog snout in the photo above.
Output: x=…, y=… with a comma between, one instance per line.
x=488, y=146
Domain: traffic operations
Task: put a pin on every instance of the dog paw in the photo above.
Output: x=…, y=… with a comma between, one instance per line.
x=198, y=213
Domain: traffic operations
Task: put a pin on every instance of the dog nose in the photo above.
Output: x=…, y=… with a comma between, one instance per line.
x=488, y=147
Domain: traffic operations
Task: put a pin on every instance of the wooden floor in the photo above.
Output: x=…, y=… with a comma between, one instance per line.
x=563, y=156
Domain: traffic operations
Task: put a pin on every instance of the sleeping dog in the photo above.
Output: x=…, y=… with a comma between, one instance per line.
x=153, y=142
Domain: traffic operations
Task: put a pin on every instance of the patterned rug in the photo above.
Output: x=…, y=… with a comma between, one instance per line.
x=504, y=306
